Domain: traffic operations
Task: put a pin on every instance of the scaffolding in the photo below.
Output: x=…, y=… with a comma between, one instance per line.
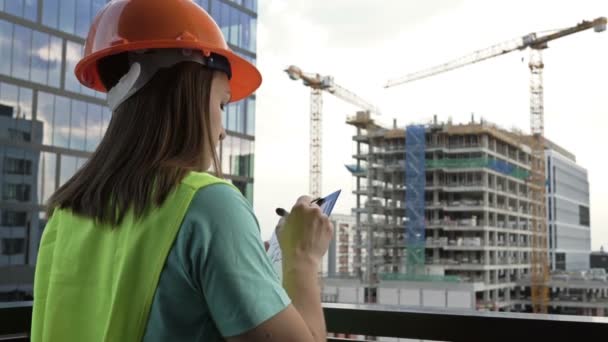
x=415, y=182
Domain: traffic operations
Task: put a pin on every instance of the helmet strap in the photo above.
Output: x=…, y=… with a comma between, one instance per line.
x=145, y=64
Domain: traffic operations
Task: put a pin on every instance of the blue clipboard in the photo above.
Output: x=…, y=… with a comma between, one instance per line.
x=329, y=201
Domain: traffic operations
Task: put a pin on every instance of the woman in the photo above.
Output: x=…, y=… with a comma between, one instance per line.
x=141, y=243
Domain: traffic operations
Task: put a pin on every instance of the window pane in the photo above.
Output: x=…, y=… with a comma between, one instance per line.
x=6, y=37
x=239, y=110
x=78, y=125
x=227, y=154
x=225, y=117
x=232, y=117
x=249, y=192
x=24, y=109
x=46, y=176
x=19, y=192
x=9, y=95
x=83, y=17
x=40, y=57
x=235, y=31
x=50, y=13
x=225, y=25
x=245, y=30
x=14, y=7
x=30, y=9
x=204, y=4
x=234, y=150
x=55, y=61
x=73, y=55
x=12, y=218
x=17, y=164
x=244, y=158
x=250, y=116
x=67, y=16
x=80, y=163
x=97, y=6
x=252, y=40
x=21, y=56
x=106, y=117
x=46, y=108
x=13, y=246
x=61, y=124
x=67, y=169
x=94, y=126
x=215, y=11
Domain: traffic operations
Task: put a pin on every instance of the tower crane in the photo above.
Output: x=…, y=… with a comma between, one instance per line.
x=318, y=84
x=536, y=42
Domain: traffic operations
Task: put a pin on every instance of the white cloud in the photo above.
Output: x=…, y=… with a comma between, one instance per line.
x=364, y=43
x=50, y=52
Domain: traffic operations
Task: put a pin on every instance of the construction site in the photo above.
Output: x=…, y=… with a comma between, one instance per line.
x=469, y=216
x=439, y=204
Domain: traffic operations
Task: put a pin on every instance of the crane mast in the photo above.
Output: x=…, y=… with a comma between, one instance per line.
x=317, y=84
x=536, y=42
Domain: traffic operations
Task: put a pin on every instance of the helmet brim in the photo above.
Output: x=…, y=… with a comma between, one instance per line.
x=246, y=78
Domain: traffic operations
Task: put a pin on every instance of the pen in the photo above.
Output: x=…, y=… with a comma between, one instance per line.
x=282, y=212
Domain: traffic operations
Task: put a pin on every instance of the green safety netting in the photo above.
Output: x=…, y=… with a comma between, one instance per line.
x=496, y=165
x=418, y=277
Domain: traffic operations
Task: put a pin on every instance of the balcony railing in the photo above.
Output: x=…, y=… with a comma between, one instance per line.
x=412, y=323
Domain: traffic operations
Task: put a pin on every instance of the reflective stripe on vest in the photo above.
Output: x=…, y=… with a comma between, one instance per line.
x=94, y=283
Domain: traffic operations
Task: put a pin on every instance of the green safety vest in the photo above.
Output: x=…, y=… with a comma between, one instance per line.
x=94, y=283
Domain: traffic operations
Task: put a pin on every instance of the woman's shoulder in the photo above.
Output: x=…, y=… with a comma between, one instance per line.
x=216, y=195
x=221, y=205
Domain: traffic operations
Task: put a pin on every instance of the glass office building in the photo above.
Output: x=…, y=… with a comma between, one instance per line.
x=50, y=124
x=567, y=212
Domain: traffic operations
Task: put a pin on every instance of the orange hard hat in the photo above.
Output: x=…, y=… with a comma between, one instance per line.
x=132, y=25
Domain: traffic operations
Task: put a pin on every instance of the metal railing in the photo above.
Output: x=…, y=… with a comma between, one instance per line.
x=457, y=325
x=390, y=321
x=15, y=321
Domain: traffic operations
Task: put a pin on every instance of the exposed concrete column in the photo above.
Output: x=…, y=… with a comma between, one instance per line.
x=486, y=219
x=486, y=293
x=508, y=300
x=486, y=242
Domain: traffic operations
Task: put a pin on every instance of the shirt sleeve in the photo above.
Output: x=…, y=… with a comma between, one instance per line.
x=232, y=269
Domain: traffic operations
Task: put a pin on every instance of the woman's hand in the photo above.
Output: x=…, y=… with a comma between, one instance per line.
x=304, y=234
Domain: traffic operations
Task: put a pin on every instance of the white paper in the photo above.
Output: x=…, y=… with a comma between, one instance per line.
x=275, y=255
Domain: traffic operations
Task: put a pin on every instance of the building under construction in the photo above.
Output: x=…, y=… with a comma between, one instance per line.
x=467, y=211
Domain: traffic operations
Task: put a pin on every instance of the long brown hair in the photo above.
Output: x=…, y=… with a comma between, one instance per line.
x=153, y=140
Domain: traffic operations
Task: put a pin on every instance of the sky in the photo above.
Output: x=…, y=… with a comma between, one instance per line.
x=363, y=43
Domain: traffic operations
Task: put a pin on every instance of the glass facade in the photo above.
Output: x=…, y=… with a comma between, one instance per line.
x=568, y=213
x=50, y=124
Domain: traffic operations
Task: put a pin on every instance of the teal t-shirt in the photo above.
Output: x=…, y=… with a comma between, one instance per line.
x=217, y=281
